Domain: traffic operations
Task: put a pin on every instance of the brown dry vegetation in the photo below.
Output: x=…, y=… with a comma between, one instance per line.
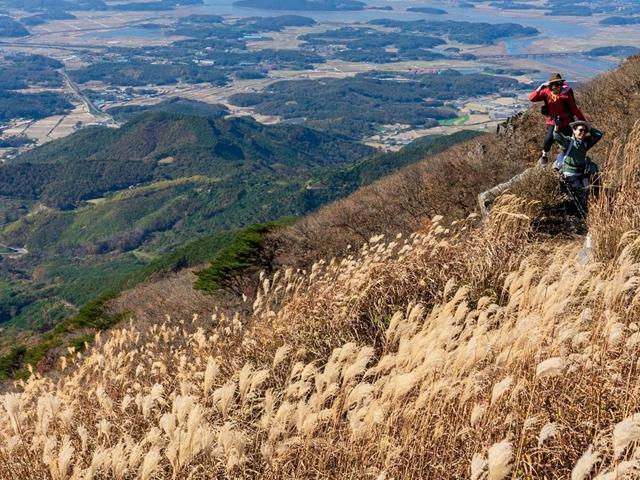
x=465, y=349
x=445, y=184
x=167, y=294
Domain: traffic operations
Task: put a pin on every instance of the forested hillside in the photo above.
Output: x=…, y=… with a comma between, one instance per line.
x=161, y=146
x=361, y=105
x=95, y=207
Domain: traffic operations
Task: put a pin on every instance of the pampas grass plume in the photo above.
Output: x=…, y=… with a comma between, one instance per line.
x=478, y=467
x=12, y=406
x=280, y=355
x=501, y=388
x=149, y=464
x=210, y=373
x=626, y=432
x=547, y=432
x=477, y=413
x=499, y=460
x=585, y=464
x=65, y=455
x=551, y=367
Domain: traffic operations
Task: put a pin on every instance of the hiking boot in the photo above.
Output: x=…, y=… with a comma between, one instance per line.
x=484, y=202
x=543, y=160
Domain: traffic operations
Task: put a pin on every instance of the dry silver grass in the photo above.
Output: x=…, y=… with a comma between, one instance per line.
x=617, y=212
x=499, y=459
x=585, y=464
x=625, y=433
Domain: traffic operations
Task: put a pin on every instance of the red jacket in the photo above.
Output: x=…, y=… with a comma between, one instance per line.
x=563, y=106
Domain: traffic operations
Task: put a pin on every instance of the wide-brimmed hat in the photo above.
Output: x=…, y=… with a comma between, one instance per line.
x=555, y=77
x=580, y=122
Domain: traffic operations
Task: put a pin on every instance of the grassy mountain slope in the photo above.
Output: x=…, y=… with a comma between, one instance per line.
x=449, y=183
x=465, y=349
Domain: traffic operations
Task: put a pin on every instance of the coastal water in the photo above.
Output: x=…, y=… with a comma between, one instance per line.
x=577, y=67
x=547, y=25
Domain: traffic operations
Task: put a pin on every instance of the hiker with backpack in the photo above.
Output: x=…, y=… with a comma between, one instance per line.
x=559, y=101
x=578, y=170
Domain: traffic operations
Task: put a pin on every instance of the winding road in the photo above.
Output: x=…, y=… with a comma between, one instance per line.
x=90, y=106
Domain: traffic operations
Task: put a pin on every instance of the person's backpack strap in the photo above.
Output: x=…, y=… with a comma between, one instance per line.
x=560, y=158
x=544, y=109
x=569, y=148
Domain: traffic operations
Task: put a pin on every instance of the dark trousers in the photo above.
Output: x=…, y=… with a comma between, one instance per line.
x=548, y=136
x=579, y=187
x=583, y=186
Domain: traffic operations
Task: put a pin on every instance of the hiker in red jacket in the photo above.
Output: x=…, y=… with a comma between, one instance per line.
x=558, y=102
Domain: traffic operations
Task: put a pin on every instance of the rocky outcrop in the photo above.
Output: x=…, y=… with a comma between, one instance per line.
x=488, y=197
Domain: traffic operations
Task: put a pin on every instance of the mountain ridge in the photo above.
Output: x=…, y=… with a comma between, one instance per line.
x=100, y=159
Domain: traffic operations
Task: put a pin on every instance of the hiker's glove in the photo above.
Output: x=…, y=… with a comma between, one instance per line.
x=556, y=121
x=542, y=85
